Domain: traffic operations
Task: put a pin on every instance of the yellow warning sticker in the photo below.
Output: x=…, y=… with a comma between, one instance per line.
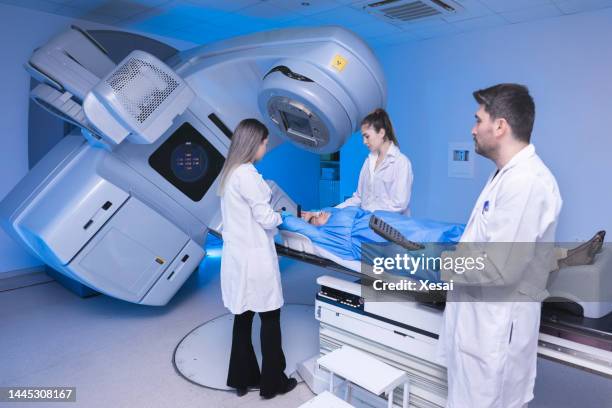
x=339, y=62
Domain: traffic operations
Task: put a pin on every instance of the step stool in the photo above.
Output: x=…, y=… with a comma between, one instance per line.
x=326, y=400
x=365, y=371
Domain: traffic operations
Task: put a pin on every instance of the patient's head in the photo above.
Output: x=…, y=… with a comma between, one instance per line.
x=317, y=218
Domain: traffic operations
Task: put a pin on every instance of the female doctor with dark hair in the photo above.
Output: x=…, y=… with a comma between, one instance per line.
x=385, y=180
x=250, y=276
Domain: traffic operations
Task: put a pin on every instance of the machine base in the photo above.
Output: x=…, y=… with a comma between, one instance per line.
x=72, y=285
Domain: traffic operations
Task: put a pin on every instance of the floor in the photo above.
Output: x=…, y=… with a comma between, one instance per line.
x=118, y=354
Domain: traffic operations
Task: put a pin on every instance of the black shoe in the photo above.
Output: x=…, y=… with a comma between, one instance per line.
x=241, y=392
x=291, y=384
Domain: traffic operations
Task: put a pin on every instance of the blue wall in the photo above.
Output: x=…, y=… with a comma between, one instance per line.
x=352, y=155
x=295, y=171
x=567, y=64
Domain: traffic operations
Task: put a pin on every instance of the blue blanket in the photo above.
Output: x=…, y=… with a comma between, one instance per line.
x=348, y=228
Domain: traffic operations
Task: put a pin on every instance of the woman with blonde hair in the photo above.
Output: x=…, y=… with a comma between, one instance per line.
x=250, y=276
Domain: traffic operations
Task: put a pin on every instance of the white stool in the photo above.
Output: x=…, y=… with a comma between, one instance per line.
x=326, y=400
x=366, y=371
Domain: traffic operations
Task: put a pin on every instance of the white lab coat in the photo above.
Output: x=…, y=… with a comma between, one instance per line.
x=490, y=347
x=250, y=276
x=386, y=188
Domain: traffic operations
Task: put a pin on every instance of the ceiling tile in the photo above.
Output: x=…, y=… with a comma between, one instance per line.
x=59, y=2
x=394, y=39
x=471, y=9
x=192, y=19
x=577, y=6
x=426, y=32
x=224, y=5
x=115, y=8
x=141, y=3
x=344, y=15
x=243, y=23
x=268, y=12
x=199, y=12
x=201, y=33
x=423, y=23
x=375, y=29
x=305, y=7
x=40, y=5
x=165, y=20
x=493, y=20
x=81, y=14
x=302, y=22
x=508, y=5
x=154, y=3
x=534, y=13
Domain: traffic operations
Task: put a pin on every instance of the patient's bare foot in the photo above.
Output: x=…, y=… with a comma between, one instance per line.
x=594, y=244
x=599, y=240
x=584, y=254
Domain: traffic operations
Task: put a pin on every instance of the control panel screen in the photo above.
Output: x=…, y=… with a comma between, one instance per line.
x=188, y=161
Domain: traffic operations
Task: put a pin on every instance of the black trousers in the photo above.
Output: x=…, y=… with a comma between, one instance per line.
x=243, y=367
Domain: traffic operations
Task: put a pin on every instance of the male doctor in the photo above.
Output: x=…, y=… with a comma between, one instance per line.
x=489, y=337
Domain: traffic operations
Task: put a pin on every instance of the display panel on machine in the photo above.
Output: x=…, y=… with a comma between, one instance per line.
x=188, y=161
x=296, y=124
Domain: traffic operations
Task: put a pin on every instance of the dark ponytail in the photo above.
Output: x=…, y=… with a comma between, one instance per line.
x=379, y=119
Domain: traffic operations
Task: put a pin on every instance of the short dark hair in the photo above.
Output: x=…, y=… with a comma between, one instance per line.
x=379, y=119
x=511, y=102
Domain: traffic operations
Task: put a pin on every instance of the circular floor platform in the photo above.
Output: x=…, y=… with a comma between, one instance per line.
x=202, y=356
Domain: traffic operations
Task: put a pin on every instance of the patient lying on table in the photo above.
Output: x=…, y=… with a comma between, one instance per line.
x=343, y=231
